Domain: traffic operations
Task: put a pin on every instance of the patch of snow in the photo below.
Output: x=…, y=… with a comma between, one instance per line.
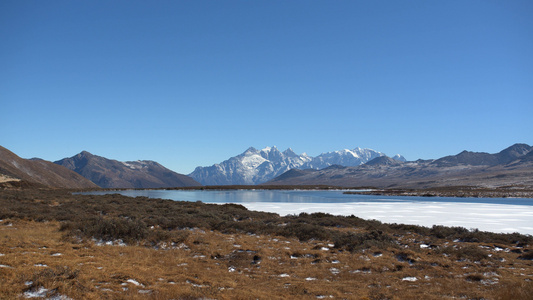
x=57, y=254
x=364, y=270
x=40, y=265
x=6, y=266
x=134, y=282
x=59, y=297
x=266, y=149
x=196, y=284
x=137, y=165
x=334, y=271
x=231, y=269
x=423, y=246
x=490, y=281
x=40, y=293
x=310, y=279
x=109, y=243
x=253, y=161
x=284, y=275
x=412, y=279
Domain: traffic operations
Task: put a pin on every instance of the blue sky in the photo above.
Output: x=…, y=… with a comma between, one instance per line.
x=191, y=83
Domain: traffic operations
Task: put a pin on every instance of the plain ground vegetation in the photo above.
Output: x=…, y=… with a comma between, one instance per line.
x=116, y=247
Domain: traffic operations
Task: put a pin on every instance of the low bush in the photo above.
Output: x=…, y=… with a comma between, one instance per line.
x=469, y=252
x=358, y=241
x=305, y=232
x=109, y=229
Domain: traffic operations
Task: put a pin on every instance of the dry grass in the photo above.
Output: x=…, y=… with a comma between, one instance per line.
x=184, y=250
x=6, y=178
x=213, y=265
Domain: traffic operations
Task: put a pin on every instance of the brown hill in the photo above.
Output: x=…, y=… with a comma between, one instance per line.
x=109, y=173
x=40, y=171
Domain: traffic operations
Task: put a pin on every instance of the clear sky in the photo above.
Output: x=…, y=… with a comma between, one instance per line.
x=192, y=83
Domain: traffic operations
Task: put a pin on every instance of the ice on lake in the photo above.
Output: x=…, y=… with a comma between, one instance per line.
x=486, y=217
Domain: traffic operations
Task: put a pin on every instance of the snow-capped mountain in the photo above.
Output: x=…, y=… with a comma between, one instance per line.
x=258, y=166
x=251, y=167
x=344, y=157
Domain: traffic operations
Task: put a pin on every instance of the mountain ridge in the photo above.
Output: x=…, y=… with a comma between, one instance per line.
x=511, y=166
x=40, y=172
x=255, y=166
x=109, y=173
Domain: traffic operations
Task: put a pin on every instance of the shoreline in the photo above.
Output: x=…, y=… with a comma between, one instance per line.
x=458, y=192
x=453, y=191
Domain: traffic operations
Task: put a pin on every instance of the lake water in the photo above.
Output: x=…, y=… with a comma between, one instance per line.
x=490, y=214
x=299, y=196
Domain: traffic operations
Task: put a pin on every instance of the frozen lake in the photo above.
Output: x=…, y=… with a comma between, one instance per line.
x=487, y=214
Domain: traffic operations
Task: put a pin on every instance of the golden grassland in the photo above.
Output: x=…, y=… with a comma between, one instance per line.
x=44, y=258
x=241, y=266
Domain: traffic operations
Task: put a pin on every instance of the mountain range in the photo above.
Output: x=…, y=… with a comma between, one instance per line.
x=39, y=172
x=345, y=168
x=109, y=173
x=511, y=166
x=255, y=166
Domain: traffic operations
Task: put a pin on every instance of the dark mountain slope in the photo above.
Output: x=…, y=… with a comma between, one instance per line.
x=108, y=173
x=505, y=156
x=293, y=173
x=513, y=153
x=383, y=161
x=40, y=171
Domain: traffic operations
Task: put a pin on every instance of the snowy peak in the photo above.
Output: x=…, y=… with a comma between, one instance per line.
x=251, y=167
x=290, y=153
x=258, y=166
x=249, y=151
x=399, y=157
x=344, y=157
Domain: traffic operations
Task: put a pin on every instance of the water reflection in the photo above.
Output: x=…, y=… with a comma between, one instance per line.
x=297, y=196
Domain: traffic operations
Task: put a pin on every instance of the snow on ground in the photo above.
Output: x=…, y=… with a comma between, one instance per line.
x=485, y=217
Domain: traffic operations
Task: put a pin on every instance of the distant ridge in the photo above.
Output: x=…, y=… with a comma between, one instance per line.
x=383, y=161
x=511, y=166
x=109, y=173
x=40, y=172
